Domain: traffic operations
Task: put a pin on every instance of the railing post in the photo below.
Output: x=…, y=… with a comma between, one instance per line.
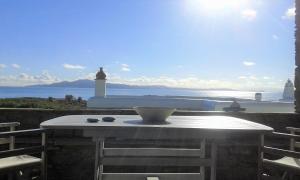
x=98, y=159
x=96, y=175
x=12, y=138
x=260, y=156
x=44, y=157
x=213, y=168
x=297, y=57
x=202, y=156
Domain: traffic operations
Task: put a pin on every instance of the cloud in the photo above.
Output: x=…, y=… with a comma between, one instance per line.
x=249, y=14
x=125, y=67
x=179, y=66
x=24, y=79
x=16, y=66
x=290, y=13
x=243, y=77
x=250, y=82
x=252, y=77
x=248, y=77
x=275, y=37
x=90, y=76
x=249, y=63
x=71, y=66
x=2, y=66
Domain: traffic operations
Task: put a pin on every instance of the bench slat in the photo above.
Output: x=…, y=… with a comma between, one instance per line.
x=9, y=124
x=4, y=141
x=284, y=135
x=169, y=152
x=293, y=129
x=18, y=161
x=154, y=161
x=21, y=132
x=281, y=152
x=297, y=144
x=22, y=151
x=273, y=164
x=266, y=177
x=162, y=176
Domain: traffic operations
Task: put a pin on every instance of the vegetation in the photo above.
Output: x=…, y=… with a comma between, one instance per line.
x=49, y=103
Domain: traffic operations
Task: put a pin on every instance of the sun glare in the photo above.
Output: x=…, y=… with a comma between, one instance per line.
x=215, y=6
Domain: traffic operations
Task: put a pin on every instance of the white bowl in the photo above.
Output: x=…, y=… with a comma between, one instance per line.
x=154, y=114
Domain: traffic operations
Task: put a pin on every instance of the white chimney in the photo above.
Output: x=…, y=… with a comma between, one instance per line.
x=100, y=84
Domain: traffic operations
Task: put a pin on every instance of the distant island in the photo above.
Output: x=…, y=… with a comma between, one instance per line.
x=85, y=83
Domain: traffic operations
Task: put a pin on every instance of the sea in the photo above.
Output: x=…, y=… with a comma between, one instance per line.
x=86, y=93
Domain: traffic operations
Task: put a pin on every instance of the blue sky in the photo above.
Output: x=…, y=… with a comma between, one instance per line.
x=240, y=44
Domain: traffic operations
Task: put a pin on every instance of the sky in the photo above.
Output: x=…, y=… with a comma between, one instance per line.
x=236, y=44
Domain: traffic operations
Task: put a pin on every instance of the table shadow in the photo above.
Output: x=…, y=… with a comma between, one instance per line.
x=141, y=122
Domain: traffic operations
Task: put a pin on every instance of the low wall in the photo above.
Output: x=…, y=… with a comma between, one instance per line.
x=260, y=106
x=71, y=155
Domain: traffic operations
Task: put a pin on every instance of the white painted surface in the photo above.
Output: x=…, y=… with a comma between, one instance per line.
x=187, y=103
x=130, y=101
x=260, y=107
x=186, y=123
x=100, y=88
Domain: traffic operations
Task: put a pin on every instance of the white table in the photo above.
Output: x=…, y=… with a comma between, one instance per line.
x=177, y=128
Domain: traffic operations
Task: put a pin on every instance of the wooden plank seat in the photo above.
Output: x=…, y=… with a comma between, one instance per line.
x=290, y=161
x=17, y=159
x=17, y=162
x=285, y=162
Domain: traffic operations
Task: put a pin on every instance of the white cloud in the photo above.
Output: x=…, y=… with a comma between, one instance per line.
x=90, y=76
x=2, y=66
x=189, y=82
x=252, y=77
x=275, y=37
x=249, y=14
x=16, y=66
x=250, y=82
x=24, y=79
x=248, y=77
x=125, y=67
x=179, y=66
x=290, y=13
x=71, y=66
x=249, y=63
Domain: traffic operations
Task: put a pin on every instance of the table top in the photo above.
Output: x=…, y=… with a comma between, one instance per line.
x=208, y=123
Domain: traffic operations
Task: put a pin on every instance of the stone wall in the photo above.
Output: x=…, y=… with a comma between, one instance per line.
x=71, y=155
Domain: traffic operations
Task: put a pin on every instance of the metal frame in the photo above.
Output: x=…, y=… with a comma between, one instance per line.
x=139, y=158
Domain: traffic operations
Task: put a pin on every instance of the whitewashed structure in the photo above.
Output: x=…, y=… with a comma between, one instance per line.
x=103, y=101
x=288, y=92
x=100, y=84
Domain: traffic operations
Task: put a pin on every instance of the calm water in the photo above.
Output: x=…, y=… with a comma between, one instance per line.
x=85, y=93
